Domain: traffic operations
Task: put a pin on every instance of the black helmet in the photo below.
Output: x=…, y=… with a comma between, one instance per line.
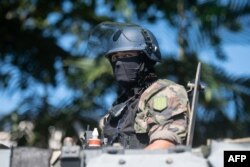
x=110, y=37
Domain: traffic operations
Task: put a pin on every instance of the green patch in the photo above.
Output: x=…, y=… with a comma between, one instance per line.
x=160, y=103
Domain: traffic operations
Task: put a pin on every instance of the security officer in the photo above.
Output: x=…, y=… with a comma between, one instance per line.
x=149, y=112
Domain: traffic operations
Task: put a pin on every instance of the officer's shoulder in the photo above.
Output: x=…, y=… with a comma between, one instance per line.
x=161, y=86
x=171, y=84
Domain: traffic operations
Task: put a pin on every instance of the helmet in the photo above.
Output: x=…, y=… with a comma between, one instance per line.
x=115, y=37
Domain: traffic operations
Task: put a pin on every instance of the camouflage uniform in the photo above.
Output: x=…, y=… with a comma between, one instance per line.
x=163, y=111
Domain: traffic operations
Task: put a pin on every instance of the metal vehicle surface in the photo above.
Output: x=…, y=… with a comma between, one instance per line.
x=74, y=156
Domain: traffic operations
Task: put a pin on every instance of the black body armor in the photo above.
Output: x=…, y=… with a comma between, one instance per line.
x=119, y=127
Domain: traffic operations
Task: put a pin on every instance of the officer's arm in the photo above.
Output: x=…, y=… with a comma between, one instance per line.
x=167, y=118
x=160, y=144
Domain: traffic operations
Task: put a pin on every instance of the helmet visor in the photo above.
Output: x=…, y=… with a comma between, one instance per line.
x=110, y=36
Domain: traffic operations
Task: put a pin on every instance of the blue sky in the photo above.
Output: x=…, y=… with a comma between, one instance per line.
x=238, y=62
x=238, y=54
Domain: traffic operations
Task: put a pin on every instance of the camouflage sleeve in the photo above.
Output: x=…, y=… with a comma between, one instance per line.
x=165, y=114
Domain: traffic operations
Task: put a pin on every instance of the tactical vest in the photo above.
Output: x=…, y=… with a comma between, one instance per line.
x=119, y=126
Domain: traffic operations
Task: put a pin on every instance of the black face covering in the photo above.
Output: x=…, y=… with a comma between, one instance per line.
x=127, y=70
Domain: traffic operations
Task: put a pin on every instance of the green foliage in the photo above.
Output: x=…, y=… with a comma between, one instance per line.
x=42, y=47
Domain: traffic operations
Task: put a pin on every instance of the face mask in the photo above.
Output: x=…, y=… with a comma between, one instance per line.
x=126, y=71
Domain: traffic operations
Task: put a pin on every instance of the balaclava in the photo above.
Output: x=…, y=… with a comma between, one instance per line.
x=133, y=72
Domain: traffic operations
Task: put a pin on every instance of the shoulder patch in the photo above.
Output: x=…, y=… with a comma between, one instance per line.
x=160, y=103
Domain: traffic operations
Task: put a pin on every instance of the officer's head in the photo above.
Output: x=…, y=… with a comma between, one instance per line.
x=132, y=52
x=131, y=49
